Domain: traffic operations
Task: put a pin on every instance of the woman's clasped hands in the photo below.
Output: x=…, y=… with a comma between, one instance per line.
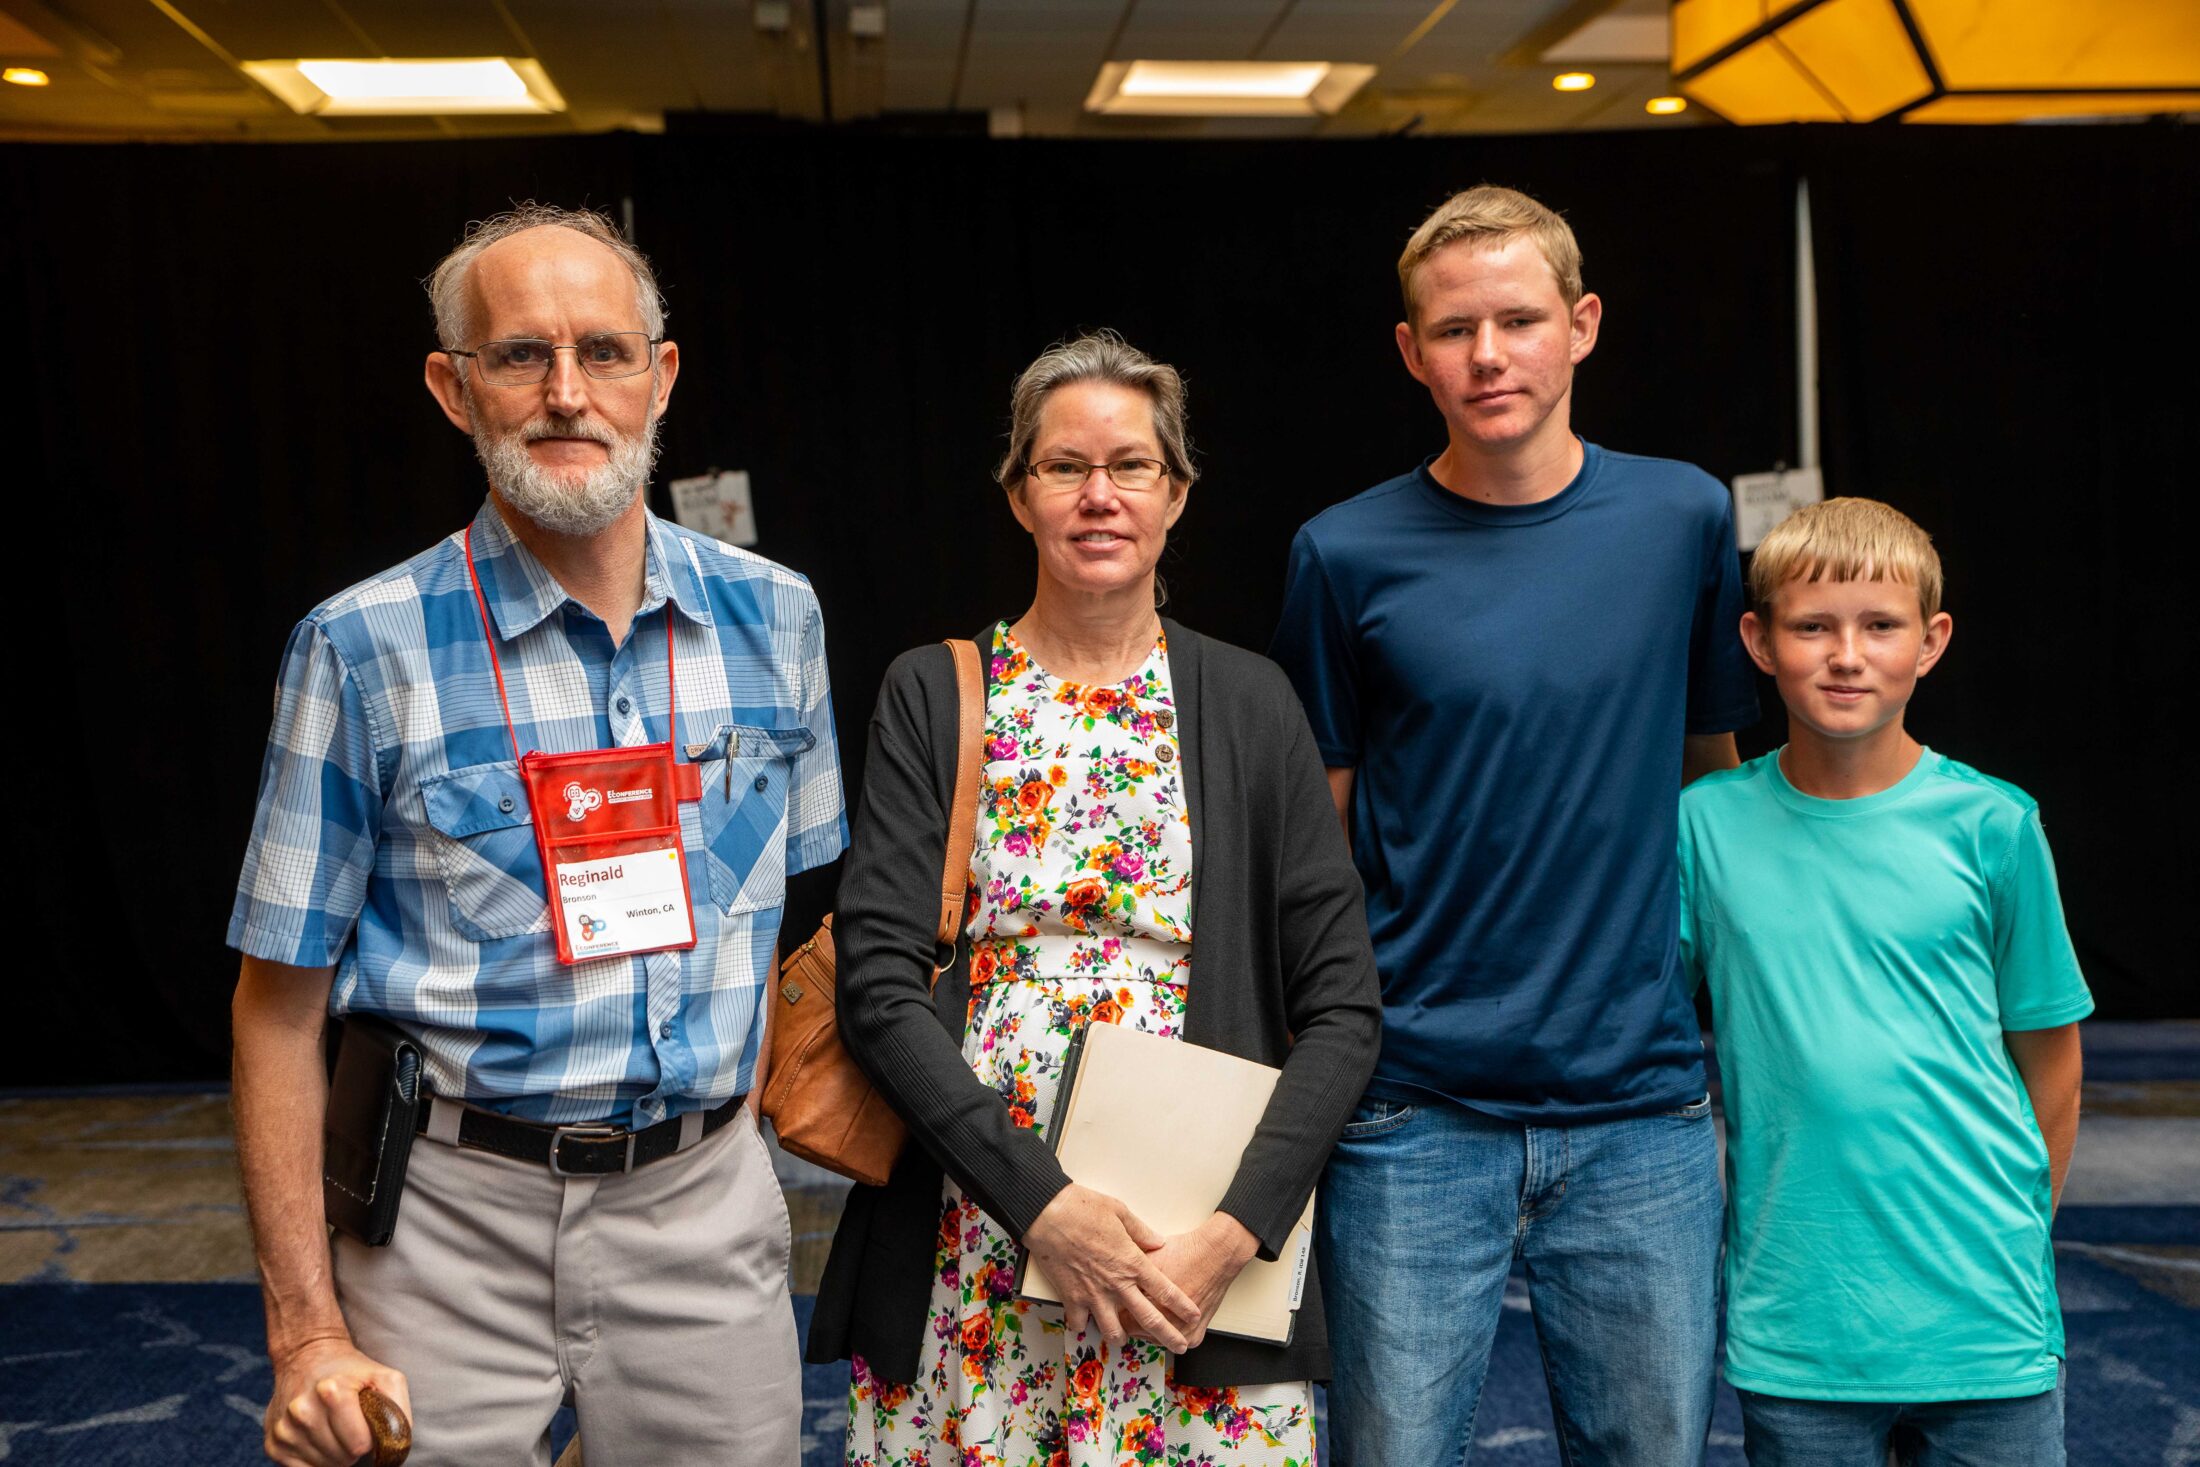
x=1121, y=1277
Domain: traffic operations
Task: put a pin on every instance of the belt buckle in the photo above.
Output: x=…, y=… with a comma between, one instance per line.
x=595, y=1130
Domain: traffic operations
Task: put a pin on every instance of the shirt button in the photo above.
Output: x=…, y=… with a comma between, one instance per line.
x=1165, y=754
x=762, y=782
x=506, y=805
x=625, y=706
x=664, y=1030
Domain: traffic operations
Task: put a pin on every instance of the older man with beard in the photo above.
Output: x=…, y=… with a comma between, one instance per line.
x=590, y=1214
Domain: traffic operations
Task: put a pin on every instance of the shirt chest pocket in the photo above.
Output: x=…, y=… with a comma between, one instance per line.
x=484, y=846
x=746, y=770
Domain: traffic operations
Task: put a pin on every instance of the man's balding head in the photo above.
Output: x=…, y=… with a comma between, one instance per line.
x=564, y=412
x=450, y=287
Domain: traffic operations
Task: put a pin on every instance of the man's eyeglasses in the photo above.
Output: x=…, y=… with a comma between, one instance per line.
x=1071, y=473
x=523, y=361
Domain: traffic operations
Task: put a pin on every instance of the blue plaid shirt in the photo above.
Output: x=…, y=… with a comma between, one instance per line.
x=393, y=839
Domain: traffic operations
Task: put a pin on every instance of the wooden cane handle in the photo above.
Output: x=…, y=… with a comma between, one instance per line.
x=393, y=1434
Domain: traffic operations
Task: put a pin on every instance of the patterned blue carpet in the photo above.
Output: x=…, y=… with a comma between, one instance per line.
x=120, y=1375
x=130, y=1331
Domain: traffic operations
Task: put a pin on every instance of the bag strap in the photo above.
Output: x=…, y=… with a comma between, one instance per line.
x=962, y=825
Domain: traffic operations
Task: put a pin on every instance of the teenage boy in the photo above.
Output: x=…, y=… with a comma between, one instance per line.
x=1512, y=656
x=1896, y=1003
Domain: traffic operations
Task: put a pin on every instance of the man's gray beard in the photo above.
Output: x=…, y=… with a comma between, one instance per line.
x=550, y=498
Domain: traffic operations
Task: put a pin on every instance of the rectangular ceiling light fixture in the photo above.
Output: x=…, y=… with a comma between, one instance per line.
x=410, y=87
x=1225, y=88
x=1633, y=31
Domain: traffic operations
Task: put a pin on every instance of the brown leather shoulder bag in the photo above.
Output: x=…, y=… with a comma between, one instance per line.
x=820, y=1103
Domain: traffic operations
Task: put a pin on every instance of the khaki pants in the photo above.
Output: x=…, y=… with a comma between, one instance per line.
x=657, y=1299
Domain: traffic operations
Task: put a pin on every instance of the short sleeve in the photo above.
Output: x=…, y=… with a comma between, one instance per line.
x=817, y=815
x=2035, y=968
x=1315, y=648
x=1691, y=957
x=319, y=815
x=1722, y=681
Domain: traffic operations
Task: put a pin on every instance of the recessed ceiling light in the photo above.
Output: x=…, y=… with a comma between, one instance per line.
x=1573, y=81
x=1277, y=81
x=1665, y=106
x=1225, y=88
x=25, y=76
x=420, y=86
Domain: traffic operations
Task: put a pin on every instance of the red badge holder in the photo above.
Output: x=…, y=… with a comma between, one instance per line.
x=607, y=825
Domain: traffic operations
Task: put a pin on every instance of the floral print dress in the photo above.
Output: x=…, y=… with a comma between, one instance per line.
x=1080, y=905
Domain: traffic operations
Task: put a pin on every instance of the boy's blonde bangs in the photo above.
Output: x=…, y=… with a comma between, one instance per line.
x=1489, y=215
x=1846, y=540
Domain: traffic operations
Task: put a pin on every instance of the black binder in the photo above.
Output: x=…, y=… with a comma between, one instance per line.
x=374, y=1097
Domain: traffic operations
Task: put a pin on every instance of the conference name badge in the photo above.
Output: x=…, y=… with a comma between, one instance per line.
x=624, y=904
x=607, y=822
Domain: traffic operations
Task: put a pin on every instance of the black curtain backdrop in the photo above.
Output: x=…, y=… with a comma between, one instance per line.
x=223, y=424
x=2007, y=333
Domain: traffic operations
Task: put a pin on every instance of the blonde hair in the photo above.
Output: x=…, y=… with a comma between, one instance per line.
x=1491, y=216
x=1846, y=540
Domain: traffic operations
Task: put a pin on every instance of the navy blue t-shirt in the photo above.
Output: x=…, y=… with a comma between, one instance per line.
x=1511, y=684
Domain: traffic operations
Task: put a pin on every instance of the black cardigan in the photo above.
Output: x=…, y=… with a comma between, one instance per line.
x=1282, y=973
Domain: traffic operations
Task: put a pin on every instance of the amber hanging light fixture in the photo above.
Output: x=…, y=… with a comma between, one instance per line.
x=1760, y=61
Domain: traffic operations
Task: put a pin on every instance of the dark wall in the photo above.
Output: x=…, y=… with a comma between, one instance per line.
x=224, y=424
x=2008, y=335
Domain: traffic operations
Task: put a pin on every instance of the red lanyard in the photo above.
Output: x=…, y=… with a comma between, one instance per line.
x=488, y=632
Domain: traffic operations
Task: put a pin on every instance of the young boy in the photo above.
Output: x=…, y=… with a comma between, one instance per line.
x=1896, y=1003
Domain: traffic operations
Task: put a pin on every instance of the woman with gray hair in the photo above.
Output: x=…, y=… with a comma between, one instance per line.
x=1142, y=784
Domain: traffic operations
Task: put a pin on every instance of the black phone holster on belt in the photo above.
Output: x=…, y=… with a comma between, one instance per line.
x=374, y=1095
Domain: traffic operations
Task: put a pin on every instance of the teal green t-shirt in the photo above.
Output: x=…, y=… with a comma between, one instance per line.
x=1888, y=1194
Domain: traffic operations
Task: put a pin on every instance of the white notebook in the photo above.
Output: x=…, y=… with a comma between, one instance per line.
x=1162, y=1124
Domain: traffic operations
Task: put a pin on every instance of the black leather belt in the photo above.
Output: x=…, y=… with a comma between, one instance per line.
x=595, y=1150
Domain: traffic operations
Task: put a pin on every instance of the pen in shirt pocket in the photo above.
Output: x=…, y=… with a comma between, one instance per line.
x=696, y=753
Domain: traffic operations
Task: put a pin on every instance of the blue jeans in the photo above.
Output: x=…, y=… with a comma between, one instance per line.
x=2024, y=1431
x=1422, y=1212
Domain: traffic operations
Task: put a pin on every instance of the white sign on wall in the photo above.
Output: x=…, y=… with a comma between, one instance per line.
x=717, y=505
x=1763, y=500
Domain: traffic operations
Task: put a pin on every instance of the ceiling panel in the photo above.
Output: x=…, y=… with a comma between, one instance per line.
x=412, y=28
x=1197, y=30
x=1044, y=51
x=254, y=30
x=122, y=68
x=142, y=35
x=660, y=57
x=19, y=42
x=923, y=41
x=1470, y=40
x=1633, y=30
x=1525, y=102
x=926, y=85
x=263, y=31
x=72, y=104
x=1346, y=30
x=114, y=56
